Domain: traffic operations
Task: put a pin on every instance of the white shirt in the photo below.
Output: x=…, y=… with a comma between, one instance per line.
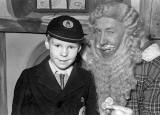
x=55, y=70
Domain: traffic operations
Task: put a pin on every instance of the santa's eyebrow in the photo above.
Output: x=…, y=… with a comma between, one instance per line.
x=109, y=28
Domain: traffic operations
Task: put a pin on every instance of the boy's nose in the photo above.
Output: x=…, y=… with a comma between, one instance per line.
x=64, y=52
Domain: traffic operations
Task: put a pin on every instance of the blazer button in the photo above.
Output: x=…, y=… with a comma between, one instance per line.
x=59, y=104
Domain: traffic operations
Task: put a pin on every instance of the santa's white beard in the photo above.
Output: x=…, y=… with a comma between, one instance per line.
x=113, y=78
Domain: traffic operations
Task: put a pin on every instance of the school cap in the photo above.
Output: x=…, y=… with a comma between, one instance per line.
x=65, y=28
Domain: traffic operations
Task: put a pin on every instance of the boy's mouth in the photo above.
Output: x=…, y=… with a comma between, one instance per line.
x=64, y=61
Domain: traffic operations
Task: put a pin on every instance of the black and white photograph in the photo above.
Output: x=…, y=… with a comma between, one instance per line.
x=79, y=57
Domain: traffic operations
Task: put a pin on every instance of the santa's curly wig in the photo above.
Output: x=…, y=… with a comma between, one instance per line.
x=125, y=14
x=115, y=78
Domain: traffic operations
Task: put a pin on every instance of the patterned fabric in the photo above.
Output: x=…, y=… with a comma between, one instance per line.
x=62, y=80
x=145, y=99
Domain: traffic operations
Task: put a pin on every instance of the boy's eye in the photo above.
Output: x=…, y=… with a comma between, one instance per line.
x=71, y=47
x=57, y=45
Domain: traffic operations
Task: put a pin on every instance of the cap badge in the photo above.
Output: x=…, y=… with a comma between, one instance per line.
x=67, y=23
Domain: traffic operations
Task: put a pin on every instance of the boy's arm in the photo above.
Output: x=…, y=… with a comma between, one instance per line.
x=19, y=105
x=91, y=103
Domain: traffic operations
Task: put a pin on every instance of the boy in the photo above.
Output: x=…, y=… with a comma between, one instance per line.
x=57, y=86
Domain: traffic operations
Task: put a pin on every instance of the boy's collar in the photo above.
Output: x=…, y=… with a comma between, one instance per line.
x=151, y=52
x=55, y=69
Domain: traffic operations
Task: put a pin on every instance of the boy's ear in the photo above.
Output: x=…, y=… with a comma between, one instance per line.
x=47, y=43
x=79, y=49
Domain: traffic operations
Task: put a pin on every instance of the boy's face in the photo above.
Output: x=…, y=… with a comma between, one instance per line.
x=62, y=53
x=109, y=34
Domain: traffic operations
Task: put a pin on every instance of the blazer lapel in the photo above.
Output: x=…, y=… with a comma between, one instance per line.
x=47, y=78
x=75, y=81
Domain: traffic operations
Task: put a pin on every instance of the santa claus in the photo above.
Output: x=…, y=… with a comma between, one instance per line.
x=114, y=47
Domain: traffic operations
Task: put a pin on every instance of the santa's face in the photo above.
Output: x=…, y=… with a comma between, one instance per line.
x=109, y=34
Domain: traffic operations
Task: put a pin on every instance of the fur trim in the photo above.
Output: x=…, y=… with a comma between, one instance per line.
x=151, y=52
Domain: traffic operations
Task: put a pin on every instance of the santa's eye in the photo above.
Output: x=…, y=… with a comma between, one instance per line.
x=96, y=30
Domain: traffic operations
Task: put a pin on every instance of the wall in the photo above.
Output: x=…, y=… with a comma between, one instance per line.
x=136, y=4
x=3, y=87
x=18, y=49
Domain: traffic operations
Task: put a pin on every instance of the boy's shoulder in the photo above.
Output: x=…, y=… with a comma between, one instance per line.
x=42, y=66
x=35, y=70
x=85, y=74
x=82, y=69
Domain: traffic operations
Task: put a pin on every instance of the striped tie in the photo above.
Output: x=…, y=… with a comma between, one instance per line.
x=62, y=80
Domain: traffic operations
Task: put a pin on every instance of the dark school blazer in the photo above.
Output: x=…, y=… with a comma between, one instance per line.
x=37, y=92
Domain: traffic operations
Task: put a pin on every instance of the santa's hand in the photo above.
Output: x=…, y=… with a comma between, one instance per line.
x=120, y=110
